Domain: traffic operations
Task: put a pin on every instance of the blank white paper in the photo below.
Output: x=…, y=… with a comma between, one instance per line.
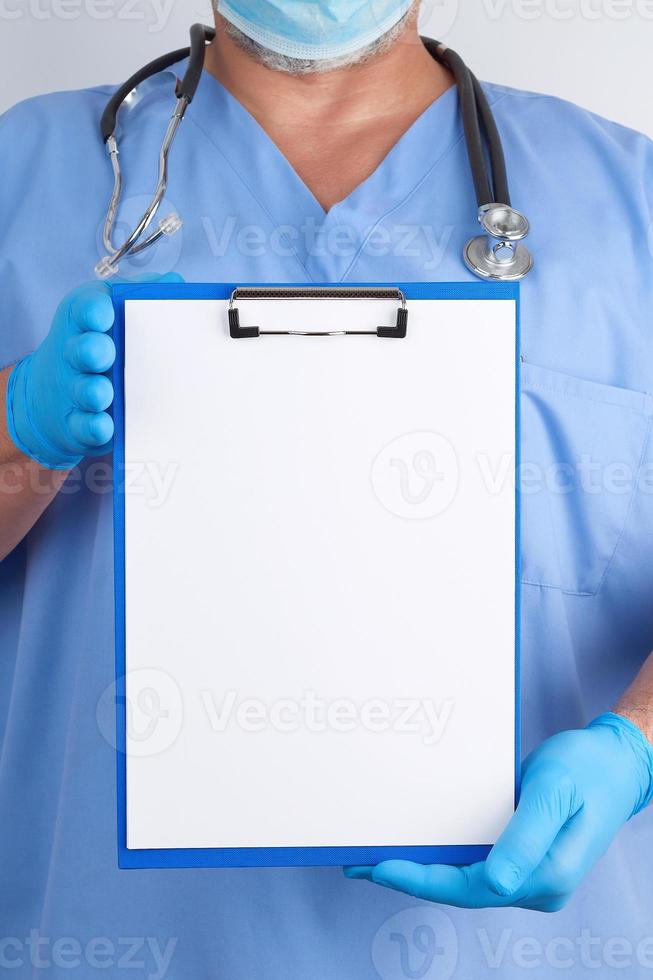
x=320, y=575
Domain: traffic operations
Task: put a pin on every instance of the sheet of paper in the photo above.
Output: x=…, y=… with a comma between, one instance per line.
x=320, y=575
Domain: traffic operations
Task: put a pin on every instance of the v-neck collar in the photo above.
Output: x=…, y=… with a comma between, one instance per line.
x=316, y=237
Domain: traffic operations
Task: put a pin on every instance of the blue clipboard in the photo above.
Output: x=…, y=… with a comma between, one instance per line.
x=273, y=856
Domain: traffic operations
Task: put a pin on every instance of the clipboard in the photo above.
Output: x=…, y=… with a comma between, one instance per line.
x=317, y=618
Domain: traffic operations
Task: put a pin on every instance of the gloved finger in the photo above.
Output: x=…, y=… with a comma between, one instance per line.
x=547, y=802
x=90, y=353
x=92, y=392
x=464, y=887
x=90, y=428
x=91, y=308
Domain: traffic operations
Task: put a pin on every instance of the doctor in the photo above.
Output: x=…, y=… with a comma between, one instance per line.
x=325, y=144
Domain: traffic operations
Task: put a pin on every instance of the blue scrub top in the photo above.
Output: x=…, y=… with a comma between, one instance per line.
x=587, y=345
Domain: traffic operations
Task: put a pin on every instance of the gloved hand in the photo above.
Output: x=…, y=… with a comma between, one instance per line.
x=57, y=397
x=578, y=789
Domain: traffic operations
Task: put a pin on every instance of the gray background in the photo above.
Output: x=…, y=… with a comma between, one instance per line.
x=598, y=53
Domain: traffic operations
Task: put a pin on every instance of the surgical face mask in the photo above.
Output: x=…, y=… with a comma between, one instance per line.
x=314, y=30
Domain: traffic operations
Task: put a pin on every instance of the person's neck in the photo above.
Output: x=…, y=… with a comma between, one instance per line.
x=334, y=127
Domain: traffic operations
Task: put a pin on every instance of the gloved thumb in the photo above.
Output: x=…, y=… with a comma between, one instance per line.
x=546, y=804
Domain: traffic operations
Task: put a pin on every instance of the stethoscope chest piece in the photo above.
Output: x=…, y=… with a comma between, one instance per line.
x=499, y=254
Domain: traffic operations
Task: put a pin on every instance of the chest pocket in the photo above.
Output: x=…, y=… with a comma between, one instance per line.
x=582, y=451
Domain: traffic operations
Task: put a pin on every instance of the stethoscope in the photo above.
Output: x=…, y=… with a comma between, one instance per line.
x=498, y=254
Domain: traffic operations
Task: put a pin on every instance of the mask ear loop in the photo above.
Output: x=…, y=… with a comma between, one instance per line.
x=185, y=92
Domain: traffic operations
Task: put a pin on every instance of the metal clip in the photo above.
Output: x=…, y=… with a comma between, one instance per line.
x=236, y=331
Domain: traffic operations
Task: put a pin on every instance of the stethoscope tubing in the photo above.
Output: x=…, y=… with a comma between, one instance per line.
x=483, y=142
x=186, y=88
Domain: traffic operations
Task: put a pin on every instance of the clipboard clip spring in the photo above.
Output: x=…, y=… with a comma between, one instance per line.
x=238, y=332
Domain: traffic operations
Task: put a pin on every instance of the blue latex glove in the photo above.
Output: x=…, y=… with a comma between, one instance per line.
x=578, y=789
x=57, y=397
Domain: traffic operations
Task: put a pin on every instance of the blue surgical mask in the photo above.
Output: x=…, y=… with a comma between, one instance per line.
x=314, y=29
